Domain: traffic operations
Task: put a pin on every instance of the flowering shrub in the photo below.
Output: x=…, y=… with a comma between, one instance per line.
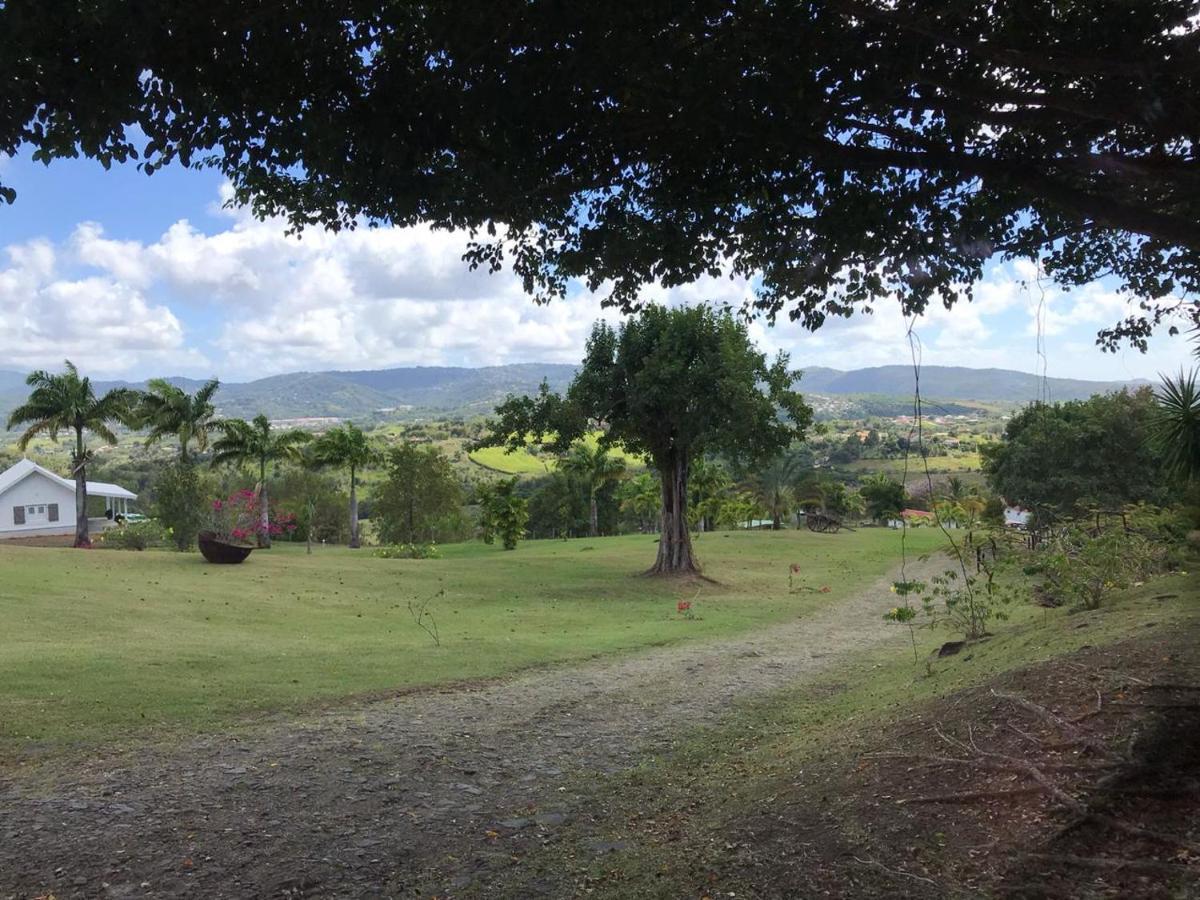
x=684, y=608
x=238, y=519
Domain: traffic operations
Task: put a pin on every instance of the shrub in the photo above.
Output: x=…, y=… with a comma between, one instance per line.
x=179, y=503
x=1087, y=567
x=408, y=551
x=135, y=536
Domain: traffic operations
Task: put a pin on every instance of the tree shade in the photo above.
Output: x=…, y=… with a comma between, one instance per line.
x=840, y=151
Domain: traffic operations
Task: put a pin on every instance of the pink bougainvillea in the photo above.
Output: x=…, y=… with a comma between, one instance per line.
x=238, y=519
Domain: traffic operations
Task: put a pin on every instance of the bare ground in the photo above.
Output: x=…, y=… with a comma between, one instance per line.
x=397, y=797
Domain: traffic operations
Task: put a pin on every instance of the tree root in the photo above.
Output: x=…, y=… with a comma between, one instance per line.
x=1076, y=735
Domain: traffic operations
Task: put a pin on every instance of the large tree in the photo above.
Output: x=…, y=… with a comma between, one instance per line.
x=669, y=385
x=257, y=443
x=167, y=410
x=1060, y=459
x=68, y=402
x=346, y=447
x=839, y=151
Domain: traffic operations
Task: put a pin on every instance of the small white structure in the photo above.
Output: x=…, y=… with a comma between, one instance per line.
x=1016, y=517
x=35, y=502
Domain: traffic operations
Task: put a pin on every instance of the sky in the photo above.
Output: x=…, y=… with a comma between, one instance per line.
x=132, y=276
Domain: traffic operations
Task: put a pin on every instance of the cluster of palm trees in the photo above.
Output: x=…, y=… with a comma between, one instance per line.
x=67, y=402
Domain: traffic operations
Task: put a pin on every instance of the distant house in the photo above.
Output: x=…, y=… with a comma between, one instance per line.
x=1016, y=517
x=35, y=502
x=912, y=517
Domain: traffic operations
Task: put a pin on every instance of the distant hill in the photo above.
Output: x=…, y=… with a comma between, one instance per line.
x=953, y=383
x=426, y=391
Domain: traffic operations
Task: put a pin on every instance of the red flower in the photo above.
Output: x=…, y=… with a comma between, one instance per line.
x=217, y=505
x=683, y=605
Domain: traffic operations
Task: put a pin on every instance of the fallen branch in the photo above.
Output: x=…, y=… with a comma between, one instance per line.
x=971, y=796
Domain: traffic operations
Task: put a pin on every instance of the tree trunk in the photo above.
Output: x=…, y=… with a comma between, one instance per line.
x=594, y=521
x=353, y=511
x=82, y=538
x=675, y=540
x=264, y=535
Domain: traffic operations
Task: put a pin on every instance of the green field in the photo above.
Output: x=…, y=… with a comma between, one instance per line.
x=524, y=462
x=105, y=644
x=966, y=462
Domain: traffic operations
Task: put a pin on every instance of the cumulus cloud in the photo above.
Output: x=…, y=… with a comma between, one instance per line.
x=100, y=322
x=258, y=301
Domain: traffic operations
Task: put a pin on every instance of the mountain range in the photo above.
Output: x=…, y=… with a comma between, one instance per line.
x=443, y=391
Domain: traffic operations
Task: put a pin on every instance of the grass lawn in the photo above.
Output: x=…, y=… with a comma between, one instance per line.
x=101, y=645
x=523, y=462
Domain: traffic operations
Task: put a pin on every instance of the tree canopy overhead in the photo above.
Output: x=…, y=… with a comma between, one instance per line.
x=837, y=150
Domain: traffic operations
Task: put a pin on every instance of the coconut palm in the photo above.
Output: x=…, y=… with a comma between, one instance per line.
x=256, y=442
x=169, y=411
x=346, y=447
x=1177, y=424
x=595, y=468
x=67, y=402
x=774, y=487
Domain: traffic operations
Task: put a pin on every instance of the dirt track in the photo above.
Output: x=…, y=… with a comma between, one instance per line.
x=395, y=797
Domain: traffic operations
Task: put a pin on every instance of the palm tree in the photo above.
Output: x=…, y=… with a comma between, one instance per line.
x=642, y=496
x=346, y=447
x=595, y=468
x=67, y=402
x=1177, y=425
x=773, y=487
x=255, y=442
x=169, y=411
x=956, y=489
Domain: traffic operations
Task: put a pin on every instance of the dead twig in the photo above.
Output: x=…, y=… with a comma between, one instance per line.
x=1110, y=673
x=890, y=871
x=1091, y=712
x=970, y=796
x=1075, y=734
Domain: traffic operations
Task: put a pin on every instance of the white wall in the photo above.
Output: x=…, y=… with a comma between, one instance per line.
x=36, y=488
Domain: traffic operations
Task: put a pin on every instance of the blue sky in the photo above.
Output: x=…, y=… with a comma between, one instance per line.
x=134, y=276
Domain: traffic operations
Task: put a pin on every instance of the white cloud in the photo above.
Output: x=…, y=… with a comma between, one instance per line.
x=101, y=323
x=258, y=301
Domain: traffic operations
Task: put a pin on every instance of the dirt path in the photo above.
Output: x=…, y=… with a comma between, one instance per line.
x=397, y=795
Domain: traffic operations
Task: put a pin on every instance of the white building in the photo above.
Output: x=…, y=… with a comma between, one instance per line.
x=35, y=502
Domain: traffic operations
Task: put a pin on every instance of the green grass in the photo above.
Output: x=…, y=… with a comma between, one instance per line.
x=524, y=462
x=512, y=462
x=107, y=644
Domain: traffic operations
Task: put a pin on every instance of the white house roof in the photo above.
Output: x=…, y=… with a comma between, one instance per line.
x=27, y=467
x=104, y=489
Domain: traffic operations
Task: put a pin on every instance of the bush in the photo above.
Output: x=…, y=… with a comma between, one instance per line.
x=135, y=536
x=1086, y=567
x=179, y=503
x=407, y=551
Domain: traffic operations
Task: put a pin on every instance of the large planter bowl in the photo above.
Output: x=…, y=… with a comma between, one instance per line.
x=216, y=551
